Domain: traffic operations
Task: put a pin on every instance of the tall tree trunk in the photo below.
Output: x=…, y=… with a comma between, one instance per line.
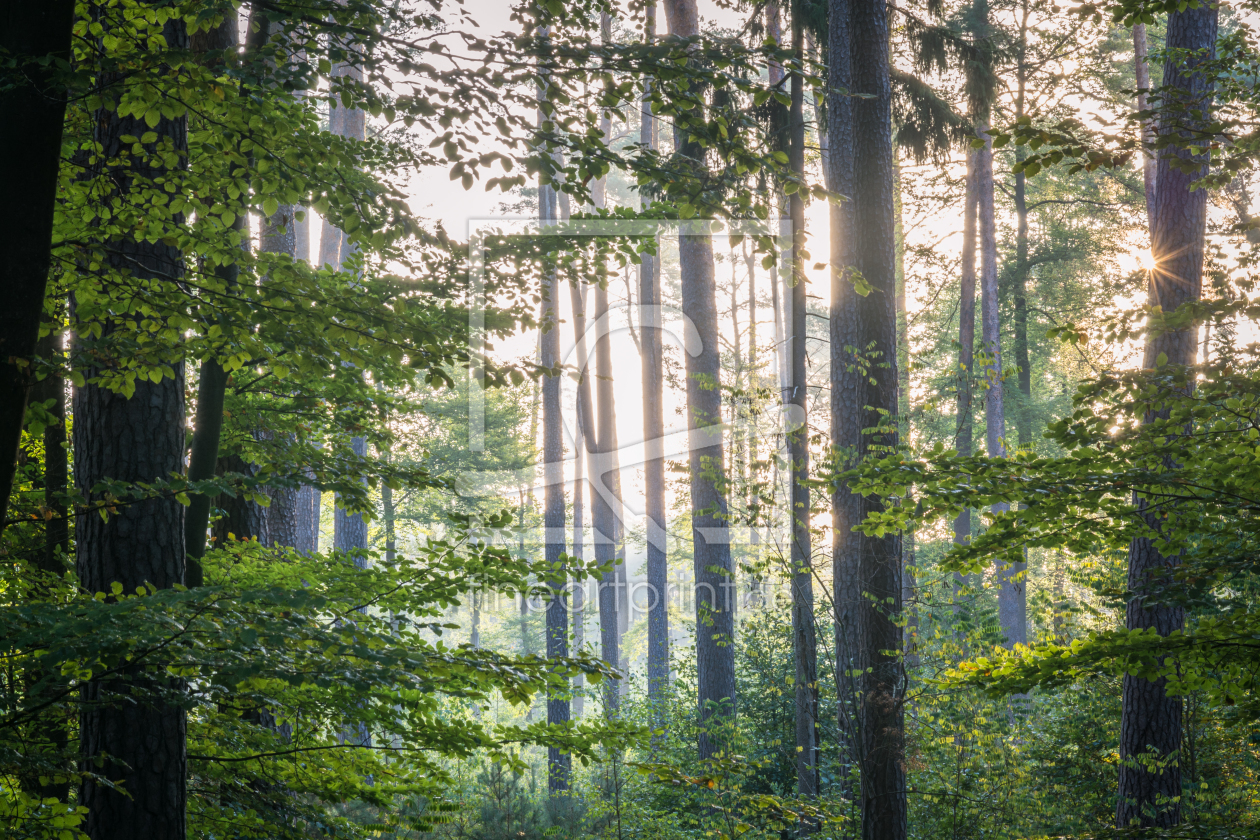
x=279, y=236
x=30, y=140
x=1150, y=718
x=965, y=429
x=49, y=733
x=847, y=387
x=601, y=507
x=804, y=635
x=711, y=554
x=349, y=530
x=140, y=737
x=868, y=245
x=558, y=762
x=652, y=362
x=1142, y=74
x=579, y=538
x=1012, y=615
x=909, y=585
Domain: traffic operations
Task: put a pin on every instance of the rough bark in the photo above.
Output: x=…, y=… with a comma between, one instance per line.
x=133, y=439
x=30, y=141
x=804, y=635
x=1151, y=719
x=868, y=244
x=847, y=383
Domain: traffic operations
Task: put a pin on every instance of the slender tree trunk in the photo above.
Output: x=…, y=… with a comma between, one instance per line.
x=1142, y=72
x=558, y=762
x=909, y=586
x=140, y=737
x=30, y=140
x=965, y=430
x=56, y=469
x=579, y=553
x=714, y=575
x=279, y=236
x=1150, y=718
x=601, y=508
x=652, y=358
x=804, y=635
x=1012, y=614
x=49, y=734
x=847, y=389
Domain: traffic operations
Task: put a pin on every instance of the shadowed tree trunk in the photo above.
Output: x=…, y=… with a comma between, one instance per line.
x=1150, y=719
x=804, y=636
x=30, y=141
x=846, y=382
x=652, y=358
x=714, y=574
x=136, y=439
x=866, y=244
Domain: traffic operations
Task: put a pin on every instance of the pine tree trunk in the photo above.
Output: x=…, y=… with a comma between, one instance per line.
x=1150, y=718
x=804, y=635
x=847, y=387
x=30, y=140
x=868, y=244
x=136, y=439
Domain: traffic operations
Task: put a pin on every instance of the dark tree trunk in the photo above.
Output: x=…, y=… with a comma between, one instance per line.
x=847, y=383
x=1151, y=719
x=804, y=635
x=49, y=735
x=652, y=358
x=136, y=439
x=711, y=556
x=868, y=244
x=909, y=585
x=30, y=140
x=52, y=389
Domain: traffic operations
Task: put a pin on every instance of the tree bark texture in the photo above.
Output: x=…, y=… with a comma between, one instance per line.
x=134, y=439
x=869, y=245
x=30, y=140
x=1150, y=718
x=965, y=429
x=804, y=634
x=846, y=380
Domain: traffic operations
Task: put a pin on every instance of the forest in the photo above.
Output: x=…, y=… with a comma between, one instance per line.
x=495, y=419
